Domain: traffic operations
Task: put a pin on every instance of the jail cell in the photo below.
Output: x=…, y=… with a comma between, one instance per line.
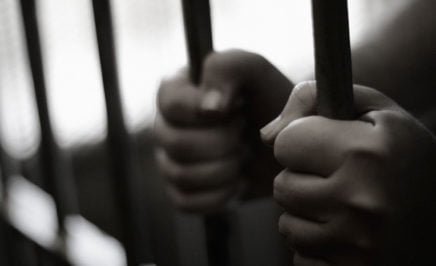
x=147, y=230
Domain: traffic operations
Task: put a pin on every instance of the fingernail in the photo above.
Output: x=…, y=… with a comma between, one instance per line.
x=212, y=102
x=268, y=132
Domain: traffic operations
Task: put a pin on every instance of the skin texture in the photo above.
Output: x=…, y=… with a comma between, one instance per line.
x=207, y=136
x=356, y=192
x=197, y=128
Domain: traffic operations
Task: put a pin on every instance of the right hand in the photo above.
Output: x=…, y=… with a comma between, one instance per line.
x=206, y=133
x=355, y=192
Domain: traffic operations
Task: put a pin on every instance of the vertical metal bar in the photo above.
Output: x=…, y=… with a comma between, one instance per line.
x=217, y=237
x=54, y=178
x=132, y=217
x=7, y=252
x=333, y=59
x=198, y=32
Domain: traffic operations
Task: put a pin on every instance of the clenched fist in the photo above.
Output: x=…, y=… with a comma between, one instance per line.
x=358, y=192
x=208, y=140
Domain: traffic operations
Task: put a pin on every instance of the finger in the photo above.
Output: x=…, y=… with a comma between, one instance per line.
x=303, y=195
x=318, y=145
x=200, y=176
x=305, y=236
x=231, y=75
x=302, y=102
x=178, y=99
x=364, y=187
x=198, y=144
x=202, y=201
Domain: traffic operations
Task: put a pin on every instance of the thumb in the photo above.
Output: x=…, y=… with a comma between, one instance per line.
x=302, y=102
x=234, y=77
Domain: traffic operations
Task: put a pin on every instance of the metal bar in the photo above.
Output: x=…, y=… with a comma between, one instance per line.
x=54, y=178
x=217, y=229
x=333, y=59
x=198, y=33
x=131, y=209
x=5, y=250
x=31, y=252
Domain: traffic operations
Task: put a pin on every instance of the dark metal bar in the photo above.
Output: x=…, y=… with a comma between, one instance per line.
x=333, y=59
x=131, y=209
x=7, y=251
x=198, y=32
x=217, y=237
x=54, y=178
x=31, y=252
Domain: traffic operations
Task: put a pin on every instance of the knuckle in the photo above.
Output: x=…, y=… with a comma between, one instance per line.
x=283, y=191
x=367, y=204
x=376, y=147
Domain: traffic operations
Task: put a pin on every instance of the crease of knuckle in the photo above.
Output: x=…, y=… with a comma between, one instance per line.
x=180, y=199
x=375, y=148
x=353, y=237
x=181, y=176
x=178, y=110
x=367, y=204
x=201, y=145
x=284, y=226
x=302, y=238
x=284, y=192
x=200, y=201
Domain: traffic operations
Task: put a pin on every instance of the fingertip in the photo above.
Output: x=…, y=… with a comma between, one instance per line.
x=269, y=132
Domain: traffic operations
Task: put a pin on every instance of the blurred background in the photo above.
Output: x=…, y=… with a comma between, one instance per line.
x=149, y=40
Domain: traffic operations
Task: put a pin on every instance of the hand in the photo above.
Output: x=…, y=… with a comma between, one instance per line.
x=355, y=192
x=208, y=140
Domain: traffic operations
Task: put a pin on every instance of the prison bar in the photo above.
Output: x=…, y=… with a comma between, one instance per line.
x=198, y=32
x=30, y=252
x=132, y=211
x=199, y=42
x=56, y=181
x=333, y=70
